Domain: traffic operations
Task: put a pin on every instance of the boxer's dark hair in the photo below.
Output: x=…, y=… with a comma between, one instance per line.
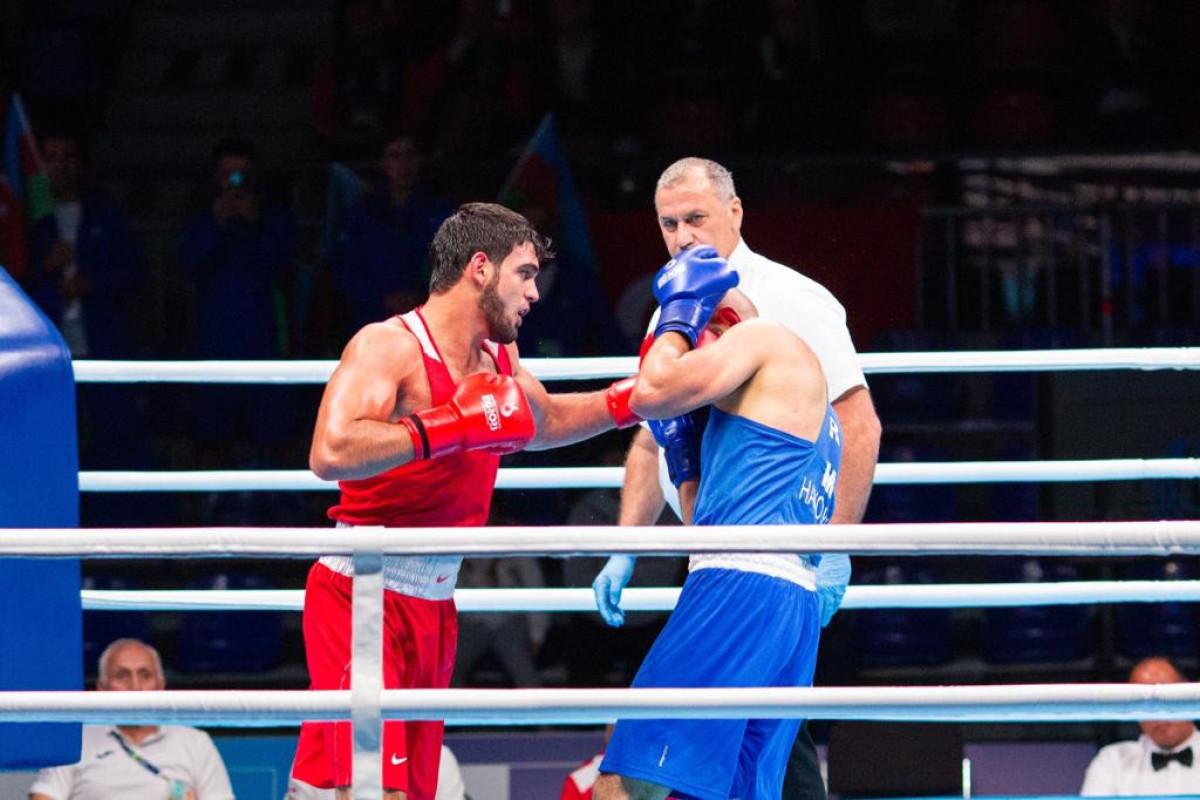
x=479, y=228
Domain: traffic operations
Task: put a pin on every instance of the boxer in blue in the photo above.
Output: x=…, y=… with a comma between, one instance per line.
x=768, y=455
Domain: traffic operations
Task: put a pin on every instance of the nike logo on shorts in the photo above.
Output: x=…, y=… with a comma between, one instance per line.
x=443, y=578
x=398, y=761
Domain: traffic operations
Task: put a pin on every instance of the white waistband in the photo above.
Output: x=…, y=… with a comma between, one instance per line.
x=792, y=568
x=427, y=577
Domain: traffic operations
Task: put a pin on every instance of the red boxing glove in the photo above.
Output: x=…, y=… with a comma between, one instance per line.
x=617, y=398
x=487, y=412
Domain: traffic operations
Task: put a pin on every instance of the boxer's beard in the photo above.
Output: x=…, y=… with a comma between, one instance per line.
x=500, y=330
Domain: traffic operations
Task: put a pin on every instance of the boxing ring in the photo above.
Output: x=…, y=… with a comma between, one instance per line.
x=367, y=704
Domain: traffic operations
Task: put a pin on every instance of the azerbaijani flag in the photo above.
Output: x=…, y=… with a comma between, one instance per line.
x=23, y=165
x=543, y=177
x=14, y=248
x=25, y=197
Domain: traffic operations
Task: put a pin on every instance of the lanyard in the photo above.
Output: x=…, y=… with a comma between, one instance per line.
x=136, y=756
x=178, y=788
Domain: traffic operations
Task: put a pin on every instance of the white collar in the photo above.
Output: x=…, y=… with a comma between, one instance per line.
x=1150, y=747
x=742, y=254
x=158, y=733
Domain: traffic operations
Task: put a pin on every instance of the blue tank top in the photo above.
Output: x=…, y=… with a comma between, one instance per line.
x=758, y=475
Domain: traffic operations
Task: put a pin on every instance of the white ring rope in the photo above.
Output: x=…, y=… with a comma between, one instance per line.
x=1163, y=537
x=906, y=473
x=548, y=369
x=1016, y=703
x=1033, y=360
x=945, y=595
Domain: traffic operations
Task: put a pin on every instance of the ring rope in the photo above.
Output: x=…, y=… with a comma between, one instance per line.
x=1163, y=537
x=318, y=371
x=906, y=473
x=1014, y=703
x=946, y=595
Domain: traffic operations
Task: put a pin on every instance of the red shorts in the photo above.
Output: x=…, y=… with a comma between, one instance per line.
x=419, y=641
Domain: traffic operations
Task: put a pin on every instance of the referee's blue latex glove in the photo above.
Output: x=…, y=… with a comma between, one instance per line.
x=607, y=588
x=833, y=576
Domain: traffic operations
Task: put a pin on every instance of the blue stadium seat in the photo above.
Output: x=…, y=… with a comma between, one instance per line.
x=1034, y=633
x=1165, y=336
x=253, y=508
x=1014, y=394
x=121, y=509
x=1014, y=502
x=101, y=628
x=902, y=637
x=230, y=641
x=918, y=397
x=912, y=503
x=1178, y=499
x=1158, y=629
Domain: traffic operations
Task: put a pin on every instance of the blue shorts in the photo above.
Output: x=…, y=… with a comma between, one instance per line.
x=730, y=628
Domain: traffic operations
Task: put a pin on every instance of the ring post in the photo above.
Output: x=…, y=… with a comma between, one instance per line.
x=41, y=625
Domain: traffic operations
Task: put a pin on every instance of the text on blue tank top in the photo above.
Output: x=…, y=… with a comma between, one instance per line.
x=757, y=475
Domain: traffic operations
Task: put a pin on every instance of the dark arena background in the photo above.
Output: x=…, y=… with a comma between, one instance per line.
x=987, y=175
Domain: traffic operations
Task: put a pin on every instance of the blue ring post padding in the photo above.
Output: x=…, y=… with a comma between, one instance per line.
x=41, y=627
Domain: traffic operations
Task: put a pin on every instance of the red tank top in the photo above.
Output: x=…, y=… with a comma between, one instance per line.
x=454, y=490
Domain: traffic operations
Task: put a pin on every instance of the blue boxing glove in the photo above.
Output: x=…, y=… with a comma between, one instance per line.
x=688, y=289
x=608, y=586
x=680, y=437
x=833, y=576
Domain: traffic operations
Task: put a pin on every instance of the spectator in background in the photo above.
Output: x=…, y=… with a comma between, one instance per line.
x=1162, y=761
x=239, y=254
x=85, y=264
x=150, y=762
x=357, y=87
x=381, y=260
x=85, y=270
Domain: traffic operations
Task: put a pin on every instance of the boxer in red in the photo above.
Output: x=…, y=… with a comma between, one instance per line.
x=412, y=424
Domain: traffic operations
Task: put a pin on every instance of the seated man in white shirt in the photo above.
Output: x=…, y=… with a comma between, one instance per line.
x=1163, y=759
x=151, y=762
